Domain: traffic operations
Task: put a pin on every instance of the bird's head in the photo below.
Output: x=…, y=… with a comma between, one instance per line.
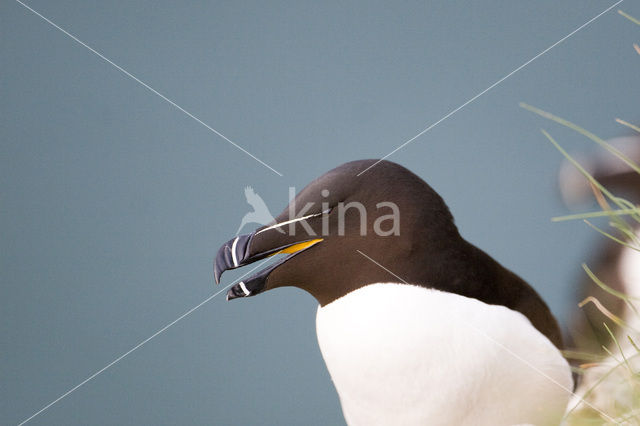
x=333, y=225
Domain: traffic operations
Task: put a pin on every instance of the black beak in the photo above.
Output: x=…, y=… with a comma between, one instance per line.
x=238, y=252
x=233, y=254
x=254, y=285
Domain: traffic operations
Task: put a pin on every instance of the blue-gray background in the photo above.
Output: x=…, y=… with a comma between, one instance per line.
x=113, y=202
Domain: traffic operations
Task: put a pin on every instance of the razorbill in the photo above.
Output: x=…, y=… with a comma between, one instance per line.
x=416, y=325
x=607, y=384
x=613, y=263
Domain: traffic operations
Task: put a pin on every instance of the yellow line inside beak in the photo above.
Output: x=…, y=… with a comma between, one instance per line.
x=297, y=247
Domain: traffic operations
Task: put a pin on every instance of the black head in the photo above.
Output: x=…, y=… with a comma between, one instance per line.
x=387, y=213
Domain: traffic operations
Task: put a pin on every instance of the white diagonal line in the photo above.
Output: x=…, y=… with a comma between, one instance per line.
x=139, y=345
x=509, y=351
x=382, y=266
x=450, y=113
x=145, y=85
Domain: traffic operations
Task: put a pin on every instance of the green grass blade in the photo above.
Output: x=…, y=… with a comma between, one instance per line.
x=594, y=386
x=605, y=287
x=629, y=125
x=590, y=215
x=617, y=240
x=629, y=17
x=583, y=132
x=586, y=174
x=626, y=361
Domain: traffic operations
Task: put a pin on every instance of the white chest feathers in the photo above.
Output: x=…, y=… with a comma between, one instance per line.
x=406, y=355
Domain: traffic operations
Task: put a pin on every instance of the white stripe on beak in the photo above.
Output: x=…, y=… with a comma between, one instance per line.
x=244, y=288
x=286, y=222
x=233, y=252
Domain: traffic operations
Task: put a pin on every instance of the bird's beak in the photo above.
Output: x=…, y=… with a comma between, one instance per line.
x=246, y=249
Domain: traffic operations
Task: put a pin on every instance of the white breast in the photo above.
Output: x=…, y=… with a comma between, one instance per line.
x=406, y=355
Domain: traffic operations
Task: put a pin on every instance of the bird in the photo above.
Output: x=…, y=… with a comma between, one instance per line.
x=416, y=325
x=260, y=213
x=616, y=265
x=608, y=383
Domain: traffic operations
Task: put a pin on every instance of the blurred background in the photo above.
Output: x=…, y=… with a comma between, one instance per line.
x=113, y=202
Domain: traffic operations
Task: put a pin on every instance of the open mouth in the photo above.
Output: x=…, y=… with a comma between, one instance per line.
x=239, y=252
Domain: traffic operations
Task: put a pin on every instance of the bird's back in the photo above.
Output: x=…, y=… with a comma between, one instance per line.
x=406, y=355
